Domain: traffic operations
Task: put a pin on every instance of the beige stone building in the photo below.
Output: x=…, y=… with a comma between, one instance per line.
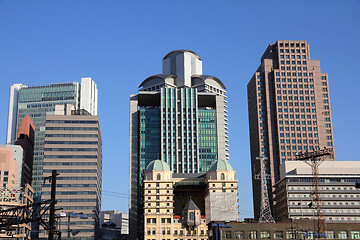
x=289, y=109
x=180, y=206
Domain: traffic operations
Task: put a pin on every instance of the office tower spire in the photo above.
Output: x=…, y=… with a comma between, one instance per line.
x=178, y=116
x=289, y=110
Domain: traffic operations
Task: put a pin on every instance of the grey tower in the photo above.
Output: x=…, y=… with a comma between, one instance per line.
x=178, y=116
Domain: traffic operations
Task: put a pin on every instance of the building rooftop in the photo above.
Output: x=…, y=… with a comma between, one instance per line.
x=221, y=165
x=157, y=165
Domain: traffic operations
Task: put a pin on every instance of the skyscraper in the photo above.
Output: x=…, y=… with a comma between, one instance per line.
x=289, y=110
x=39, y=101
x=73, y=147
x=178, y=116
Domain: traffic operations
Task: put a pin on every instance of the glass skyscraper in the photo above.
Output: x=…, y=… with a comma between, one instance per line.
x=178, y=116
x=39, y=101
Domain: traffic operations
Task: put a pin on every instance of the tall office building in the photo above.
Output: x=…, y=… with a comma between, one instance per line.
x=289, y=110
x=39, y=101
x=178, y=116
x=73, y=147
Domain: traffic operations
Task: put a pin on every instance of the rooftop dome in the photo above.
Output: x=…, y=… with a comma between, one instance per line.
x=158, y=165
x=221, y=165
x=182, y=51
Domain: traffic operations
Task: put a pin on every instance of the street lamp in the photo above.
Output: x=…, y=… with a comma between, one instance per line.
x=72, y=215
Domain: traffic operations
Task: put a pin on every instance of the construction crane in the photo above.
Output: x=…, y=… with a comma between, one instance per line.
x=265, y=209
x=314, y=159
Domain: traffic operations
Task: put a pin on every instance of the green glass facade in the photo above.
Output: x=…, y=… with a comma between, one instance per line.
x=37, y=102
x=178, y=132
x=207, y=138
x=149, y=136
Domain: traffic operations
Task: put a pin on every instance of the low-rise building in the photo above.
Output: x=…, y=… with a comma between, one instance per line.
x=296, y=229
x=179, y=205
x=340, y=200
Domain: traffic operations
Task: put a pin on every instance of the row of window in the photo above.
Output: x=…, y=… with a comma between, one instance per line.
x=72, y=149
x=293, y=62
x=294, y=92
x=71, y=121
x=72, y=171
x=73, y=128
x=71, y=142
x=73, y=135
x=71, y=156
x=286, y=44
x=252, y=234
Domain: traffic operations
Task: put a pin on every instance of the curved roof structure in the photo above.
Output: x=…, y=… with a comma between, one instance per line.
x=204, y=77
x=221, y=165
x=157, y=165
x=182, y=51
x=162, y=76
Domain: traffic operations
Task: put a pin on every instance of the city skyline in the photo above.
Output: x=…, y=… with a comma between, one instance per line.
x=59, y=50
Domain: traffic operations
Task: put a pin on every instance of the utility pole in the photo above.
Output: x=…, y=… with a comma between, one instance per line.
x=314, y=159
x=68, y=230
x=52, y=229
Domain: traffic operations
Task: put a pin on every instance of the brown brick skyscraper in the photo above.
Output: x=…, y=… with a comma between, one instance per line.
x=289, y=110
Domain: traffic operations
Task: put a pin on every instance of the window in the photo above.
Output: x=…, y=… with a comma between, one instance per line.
x=342, y=234
x=355, y=234
x=192, y=216
x=222, y=176
x=290, y=235
x=252, y=235
x=158, y=177
x=239, y=235
x=227, y=234
x=264, y=234
x=278, y=235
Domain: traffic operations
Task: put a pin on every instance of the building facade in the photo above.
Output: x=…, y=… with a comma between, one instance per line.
x=73, y=147
x=340, y=200
x=179, y=205
x=297, y=229
x=16, y=160
x=121, y=219
x=179, y=116
x=39, y=101
x=289, y=110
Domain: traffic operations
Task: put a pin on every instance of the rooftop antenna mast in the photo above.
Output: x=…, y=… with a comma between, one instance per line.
x=314, y=159
x=265, y=209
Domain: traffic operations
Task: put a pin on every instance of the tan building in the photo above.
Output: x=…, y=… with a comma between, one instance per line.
x=340, y=199
x=73, y=147
x=289, y=109
x=179, y=206
x=13, y=197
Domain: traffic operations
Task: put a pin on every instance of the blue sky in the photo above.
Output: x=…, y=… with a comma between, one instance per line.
x=120, y=43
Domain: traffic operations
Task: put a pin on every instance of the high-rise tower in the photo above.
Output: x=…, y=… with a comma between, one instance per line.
x=178, y=116
x=73, y=147
x=289, y=110
x=40, y=101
